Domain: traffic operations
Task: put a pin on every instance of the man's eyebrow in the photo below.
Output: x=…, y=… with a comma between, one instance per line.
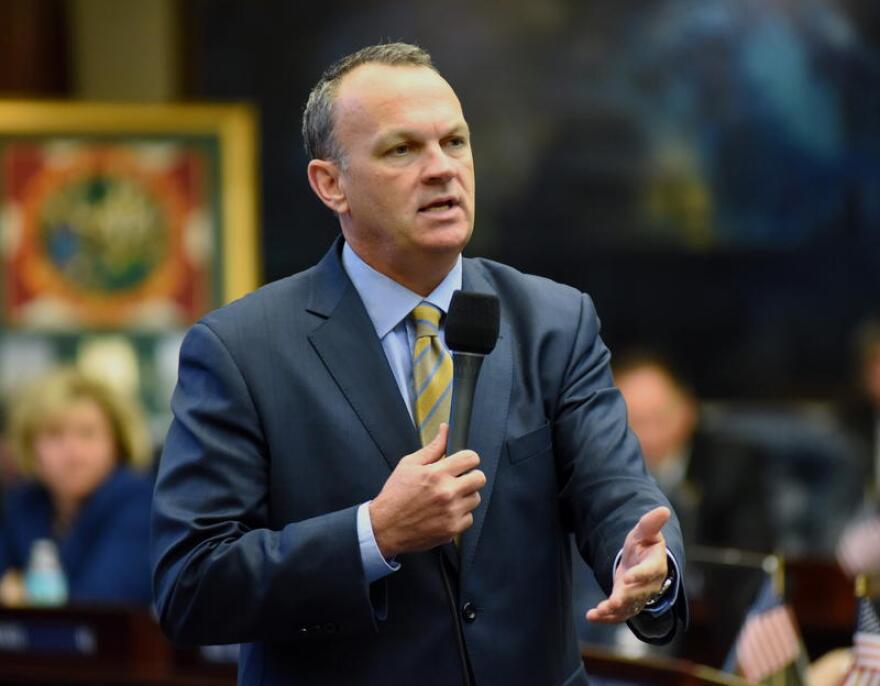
x=409, y=134
x=460, y=129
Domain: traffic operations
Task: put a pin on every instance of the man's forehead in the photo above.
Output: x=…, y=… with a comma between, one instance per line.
x=375, y=89
x=366, y=78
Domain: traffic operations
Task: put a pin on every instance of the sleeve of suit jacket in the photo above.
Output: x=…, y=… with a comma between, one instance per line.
x=604, y=485
x=220, y=575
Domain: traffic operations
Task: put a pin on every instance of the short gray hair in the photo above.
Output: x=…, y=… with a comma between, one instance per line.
x=317, y=122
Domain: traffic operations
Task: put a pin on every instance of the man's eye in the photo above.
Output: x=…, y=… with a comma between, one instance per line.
x=399, y=150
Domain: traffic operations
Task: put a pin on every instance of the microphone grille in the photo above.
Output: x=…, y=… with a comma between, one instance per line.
x=472, y=322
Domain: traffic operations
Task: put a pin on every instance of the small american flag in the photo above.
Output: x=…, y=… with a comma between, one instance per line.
x=866, y=649
x=769, y=640
x=859, y=548
x=768, y=643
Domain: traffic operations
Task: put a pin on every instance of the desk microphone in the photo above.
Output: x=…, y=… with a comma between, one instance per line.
x=471, y=333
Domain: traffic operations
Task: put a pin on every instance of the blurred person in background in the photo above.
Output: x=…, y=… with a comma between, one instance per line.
x=78, y=444
x=718, y=487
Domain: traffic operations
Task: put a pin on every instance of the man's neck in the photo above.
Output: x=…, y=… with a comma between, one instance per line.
x=420, y=276
x=421, y=281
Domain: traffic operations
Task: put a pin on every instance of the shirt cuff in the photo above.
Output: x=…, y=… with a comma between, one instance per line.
x=375, y=566
x=665, y=602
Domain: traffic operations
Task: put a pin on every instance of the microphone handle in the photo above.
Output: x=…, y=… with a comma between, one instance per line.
x=466, y=368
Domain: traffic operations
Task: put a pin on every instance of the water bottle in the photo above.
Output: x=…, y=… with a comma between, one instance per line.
x=44, y=580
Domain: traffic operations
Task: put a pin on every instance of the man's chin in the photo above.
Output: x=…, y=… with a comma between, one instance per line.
x=446, y=239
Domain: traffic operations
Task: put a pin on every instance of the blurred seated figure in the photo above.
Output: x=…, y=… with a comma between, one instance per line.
x=860, y=412
x=717, y=486
x=81, y=503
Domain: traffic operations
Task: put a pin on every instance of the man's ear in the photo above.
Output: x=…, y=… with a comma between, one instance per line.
x=324, y=180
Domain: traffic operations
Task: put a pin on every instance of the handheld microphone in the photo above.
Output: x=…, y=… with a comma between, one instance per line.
x=471, y=333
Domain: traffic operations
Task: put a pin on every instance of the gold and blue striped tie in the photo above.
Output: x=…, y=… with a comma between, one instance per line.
x=432, y=373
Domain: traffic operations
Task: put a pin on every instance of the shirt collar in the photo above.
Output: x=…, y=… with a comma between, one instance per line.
x=386, y=301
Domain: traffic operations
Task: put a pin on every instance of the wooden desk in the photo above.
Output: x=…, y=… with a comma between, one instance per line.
x=824, y=604
x=656, y=671
x=821, y=596
x=99, y=646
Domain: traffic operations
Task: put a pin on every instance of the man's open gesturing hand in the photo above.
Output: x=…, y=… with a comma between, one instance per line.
x=427, y=500
x=640, y=573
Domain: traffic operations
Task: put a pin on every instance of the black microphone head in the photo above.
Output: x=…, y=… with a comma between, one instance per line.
x=472, y=322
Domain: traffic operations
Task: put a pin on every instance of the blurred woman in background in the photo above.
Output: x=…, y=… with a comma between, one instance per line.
x=78, y=443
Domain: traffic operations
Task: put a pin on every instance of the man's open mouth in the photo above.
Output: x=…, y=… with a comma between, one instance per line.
x=440, y=205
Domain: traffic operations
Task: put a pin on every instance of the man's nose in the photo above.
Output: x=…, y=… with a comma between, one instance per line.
x=439, y=166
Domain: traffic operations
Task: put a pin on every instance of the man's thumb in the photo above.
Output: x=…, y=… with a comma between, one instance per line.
x=651, y=523
x=434, y=450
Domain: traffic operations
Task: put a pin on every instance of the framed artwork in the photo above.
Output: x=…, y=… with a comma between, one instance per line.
x=120, y=226
x=134, y=217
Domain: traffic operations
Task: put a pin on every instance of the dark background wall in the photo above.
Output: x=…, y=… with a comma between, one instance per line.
x=708, y=171
x=34, y=48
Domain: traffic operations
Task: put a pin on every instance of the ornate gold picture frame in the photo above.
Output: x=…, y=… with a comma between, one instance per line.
x=124, y=216
x=120, y=226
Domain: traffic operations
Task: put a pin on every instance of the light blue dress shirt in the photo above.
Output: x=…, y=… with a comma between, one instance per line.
x=388, y=305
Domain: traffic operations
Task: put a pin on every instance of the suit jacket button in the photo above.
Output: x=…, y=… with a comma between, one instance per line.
x=331, y=628
x=468, y=612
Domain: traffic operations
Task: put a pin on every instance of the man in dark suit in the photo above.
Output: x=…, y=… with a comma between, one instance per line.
x=304, y=506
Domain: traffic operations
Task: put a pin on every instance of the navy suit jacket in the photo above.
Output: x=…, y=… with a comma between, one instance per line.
x=104, y=554
x=287, y=417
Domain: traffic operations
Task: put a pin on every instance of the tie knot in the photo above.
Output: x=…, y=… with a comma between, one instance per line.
x=427, y=320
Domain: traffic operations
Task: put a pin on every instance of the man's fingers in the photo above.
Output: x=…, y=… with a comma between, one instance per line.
x=603, y=614
x=639, y=583
x=471, y=482
x=471, y=502
x=434, y=450
x=459, y=463
x=619, y=606
x=606, y=615
x=651, y=523
x=612, y=611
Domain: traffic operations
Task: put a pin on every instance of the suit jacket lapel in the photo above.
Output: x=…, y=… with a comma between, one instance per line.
x=489, y=418
x=347, y=344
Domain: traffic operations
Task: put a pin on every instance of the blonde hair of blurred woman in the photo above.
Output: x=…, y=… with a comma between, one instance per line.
x=45, y=400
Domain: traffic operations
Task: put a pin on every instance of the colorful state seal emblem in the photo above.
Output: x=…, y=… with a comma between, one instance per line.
x=104, y=235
